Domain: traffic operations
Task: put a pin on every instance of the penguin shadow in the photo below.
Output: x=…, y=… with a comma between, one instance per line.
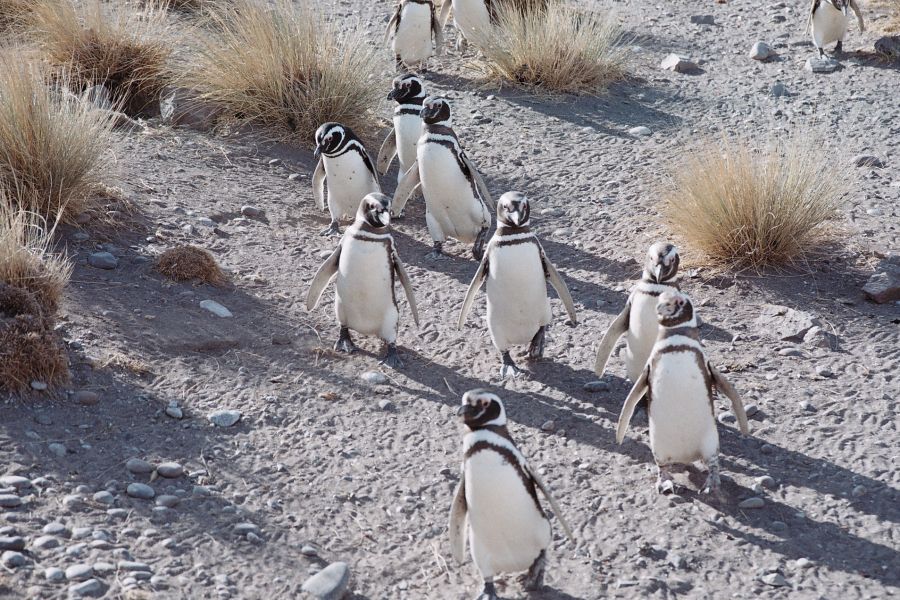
x=458, y=263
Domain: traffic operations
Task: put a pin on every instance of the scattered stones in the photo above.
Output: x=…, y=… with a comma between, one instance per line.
x=596, y=386
x=91, y=587
x=824, y=372
x=884, y=285
x=59, y=450
x=374, y=377
x=774, y=579
x=170, y=470
x=38, y=386
x=174, y=411
x=640, y=131
x=46, y=542
x=167, y=501
x=138, y=466
x=703, y=19
x=10, y=501
x=753, y=502
x=779, y=90
x=888, y=46
x=246, y=528
x=54, y=575
x=766, y=482
x=761, y=51
x=131, y=566
x=250, y=211
x=13, y=559
x=15, y=481
x=104, y=568
x=815, y=64
x=79, y=533
x=678, y=64
x=86, y=397
x=79, y=572
x=867, y=160
x=216, y=309
x=224, y=418
x=103, y=260
x=548, y=426
x=104, y=497
x=12, y=542
x=330, y=583
x=785, y=323
x=140, y=490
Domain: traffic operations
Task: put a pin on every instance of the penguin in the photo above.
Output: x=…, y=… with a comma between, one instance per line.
x=828, y=20
x=679, y=383
x=455, y=194
x=517, y=271
x=475, y=19
x=364, y=267
x=638, y=321
x=495, y=503
x=346, y=165
x=409, y=93
x=411, y=31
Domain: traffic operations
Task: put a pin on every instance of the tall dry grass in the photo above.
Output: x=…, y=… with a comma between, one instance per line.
x=556, y=48
x=13, y=16
x=754, y=209
x=54, y=148
x=282, y=66
x=114, y=44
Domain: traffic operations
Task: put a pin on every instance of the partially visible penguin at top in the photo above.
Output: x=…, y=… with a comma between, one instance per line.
x=475, y=19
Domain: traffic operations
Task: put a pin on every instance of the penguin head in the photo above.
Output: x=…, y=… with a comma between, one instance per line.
x=661, y=263
x=513, y=209
x=375, y=210
x=329, y=137
x=481, y=408
x=675, y=309
x=407, y=88
x=436, y=111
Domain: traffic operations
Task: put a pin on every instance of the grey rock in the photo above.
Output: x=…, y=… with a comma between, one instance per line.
x=640, y=131
x=104, y=568
x=779, y=90
x=91, y=587
x=170, y=470
x=751, y=409
x=309, y=551
x=678, y=64
x=46, y=542
x=819, y=338
x=330, y=583
x=58, y=450
x=374, y=377
x=140, y=490
x=804, y=563
x=104, y=497
x=174, y=411
x=86, y=397
x=805, y=405
x=130, y=565
x=12, y=542
x=79, y=572
x=13, y=559
x=779, y=526
x=138, y=466
x=224, y=418
x=250, y=211
x=785, y=323
x=703, y=19
x=386, y=405
x=79, y=533
x=888, y=46
x=39, y=386
x=15, y=481
x=117, y=513
x=10, y=501
x=824, y=372
x=766, y=482
x=103, y=260
x=216, y=309
x=761, y=51
x=596, y=386
x=167, y=500
x=727, y=417
x=884, y=285
x=54, y=575
x=245, y=528
x=867, y=160
x=815, y=64
x=753, y=502
x=859, y=491
x=548, y=426
x=774, y=579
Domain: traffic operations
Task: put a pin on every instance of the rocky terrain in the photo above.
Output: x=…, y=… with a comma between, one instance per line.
x=204, y=456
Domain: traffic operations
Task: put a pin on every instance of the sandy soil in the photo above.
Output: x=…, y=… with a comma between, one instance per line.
x=364, y=473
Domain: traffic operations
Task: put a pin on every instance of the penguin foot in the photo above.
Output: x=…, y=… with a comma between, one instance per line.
x=509, y=370
x=821, y=52
x=533, y=580
x=392, y=358
x=345, y=343
x=664, y=482
x=461, y=43
x=437, y=253
x=839, y=48
x=536, y=349
x=488, y=593
x=331, y=230
x=713, y=481
x=478, y=248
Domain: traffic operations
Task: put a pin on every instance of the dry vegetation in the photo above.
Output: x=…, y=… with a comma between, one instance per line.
x=186, y=263
x=54, y=147
x=283, y=67
x=753, y=209
x=13, y=15
x=557, y=48
x=115, y=45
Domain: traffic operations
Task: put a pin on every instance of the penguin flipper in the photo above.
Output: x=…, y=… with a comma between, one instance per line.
x=559, y=285
x=319, y=184
x=407, y=285
x=445, y=12
x=405, y=189
x=477, y=280
x=637, y=391
x=387, y=152
x=392, y=25
x=480, y=184
x=322, y=278
x=437, y=31
x=458, y=517
x=552, y=501
x=615, y=330
x=812, y=10
x=859, y=18
x=736, y=404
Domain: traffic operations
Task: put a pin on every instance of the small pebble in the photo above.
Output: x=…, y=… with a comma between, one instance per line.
x=46, y=542
x=766, y=482
x=859, y=491
x=140, y=490
x=823, y=372
x=91, y=587
x=103, y=260
x=79, y=572
x=39, y=386
x=170, y=470
x=10, y=501
x=104, y=497
x=774, y=579
x=12, y=542
x=58, y=449
x=224, y=418
x=245, y=528
x=640, y=131
x=751, y=409
x=167, y=500
x=12, y=559
x=138, y=466
x=548, y=426
x=596, y=386
x=754, y=502
x=330, y=583
x=374, y=377
x=250, y=211
x=86, y=397
x=216, y=309
x=804, y=563
x=130, y=565
x=54, y=575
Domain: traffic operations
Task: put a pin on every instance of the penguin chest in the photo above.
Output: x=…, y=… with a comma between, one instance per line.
x=643, y=327
x=408, y=130
x=364, y=287
x=682, y=428
x=828, y=24
x=349, y=180
x=507, y=529
x=472, y=18
x=449, y=198
x=412, y=40
x=517, y=302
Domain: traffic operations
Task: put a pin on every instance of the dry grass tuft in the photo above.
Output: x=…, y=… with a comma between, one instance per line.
x=556, y=49
x=115, y=45
x=282, y=67
x=186, y=263
x=890, y=25
x=54, y=148
x=755, y=209
x=14, y=15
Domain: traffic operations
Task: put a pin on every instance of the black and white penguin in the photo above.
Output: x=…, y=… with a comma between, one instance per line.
x=638, y=321
x=456, y=197
x=679, y=382
x=364, y=267
x=496, y=502
x=409, y=93
x=345, y=164
x=517, y=270
x=412, y=30
x=829, y=19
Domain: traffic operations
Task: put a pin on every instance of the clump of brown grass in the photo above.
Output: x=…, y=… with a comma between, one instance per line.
x=115, y=45
x=555, y=48
x=755, y=209
x=892, y=23
x=54, y=148
x=186, y=263
x=13, y=15
x=281, y=66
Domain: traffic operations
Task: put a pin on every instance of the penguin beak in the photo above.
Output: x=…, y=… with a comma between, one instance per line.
x=317, y=152
x=657, y=271
x=465, y=411
x=392, y=95
x=515, y=216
